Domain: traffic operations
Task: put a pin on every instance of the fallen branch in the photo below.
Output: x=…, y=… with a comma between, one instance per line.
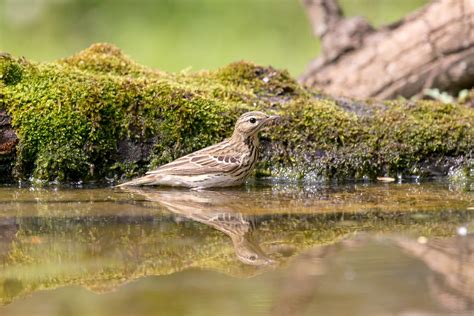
x=430, y=48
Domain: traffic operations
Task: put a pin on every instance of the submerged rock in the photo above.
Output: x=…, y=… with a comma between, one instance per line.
x=98, y=115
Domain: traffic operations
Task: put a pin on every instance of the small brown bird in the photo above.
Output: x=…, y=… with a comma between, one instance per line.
x=225, y=164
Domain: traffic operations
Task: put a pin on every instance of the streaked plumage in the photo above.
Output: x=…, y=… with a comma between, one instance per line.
x=227, y=163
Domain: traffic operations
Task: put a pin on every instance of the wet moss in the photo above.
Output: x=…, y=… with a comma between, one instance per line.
x=99, y=115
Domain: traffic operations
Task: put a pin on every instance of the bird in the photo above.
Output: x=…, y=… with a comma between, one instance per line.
x=224, y=164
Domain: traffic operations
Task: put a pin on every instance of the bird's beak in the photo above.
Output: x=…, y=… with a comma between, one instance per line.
x=270, y=262
x=272, y=119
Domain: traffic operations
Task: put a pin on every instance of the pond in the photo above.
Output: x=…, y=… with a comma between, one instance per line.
x=269, y=248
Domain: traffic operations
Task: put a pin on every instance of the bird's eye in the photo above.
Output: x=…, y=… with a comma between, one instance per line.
x=253, y=258
x=253, y=120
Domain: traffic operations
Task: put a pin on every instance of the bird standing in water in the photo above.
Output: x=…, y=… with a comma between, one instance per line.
x=225, y=164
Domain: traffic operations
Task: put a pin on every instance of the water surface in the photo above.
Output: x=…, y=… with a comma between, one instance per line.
x=265, y=249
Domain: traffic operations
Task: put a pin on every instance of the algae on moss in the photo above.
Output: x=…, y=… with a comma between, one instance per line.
x=99, y=115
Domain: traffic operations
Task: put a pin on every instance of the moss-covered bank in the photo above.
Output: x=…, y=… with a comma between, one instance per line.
x=100, y=115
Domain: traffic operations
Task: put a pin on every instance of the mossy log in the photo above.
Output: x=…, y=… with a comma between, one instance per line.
x=98, y=115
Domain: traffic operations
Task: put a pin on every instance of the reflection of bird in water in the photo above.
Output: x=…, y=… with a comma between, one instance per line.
x=215, y=209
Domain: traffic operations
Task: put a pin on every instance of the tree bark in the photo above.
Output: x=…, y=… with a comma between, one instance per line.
x=430, y=48
x=8, y=142
x=8, y=138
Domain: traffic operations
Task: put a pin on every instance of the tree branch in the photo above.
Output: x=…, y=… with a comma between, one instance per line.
x=430, y=48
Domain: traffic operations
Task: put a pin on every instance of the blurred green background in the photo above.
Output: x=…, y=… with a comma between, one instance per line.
x=175, y=34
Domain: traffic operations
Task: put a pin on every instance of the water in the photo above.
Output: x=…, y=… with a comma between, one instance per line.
x=265, y=249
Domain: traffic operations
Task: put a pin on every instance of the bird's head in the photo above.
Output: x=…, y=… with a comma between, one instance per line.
x=249, y=252
x=251, y=123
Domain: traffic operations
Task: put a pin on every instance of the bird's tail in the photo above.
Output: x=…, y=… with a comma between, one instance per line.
x=146, y=180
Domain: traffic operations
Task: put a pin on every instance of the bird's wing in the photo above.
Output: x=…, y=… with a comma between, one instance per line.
x=213, y=159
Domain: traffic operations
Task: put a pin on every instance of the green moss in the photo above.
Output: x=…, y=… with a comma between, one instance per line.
x=104, y=58
x=265, y=81
x=10, y=70
x=75, y=115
